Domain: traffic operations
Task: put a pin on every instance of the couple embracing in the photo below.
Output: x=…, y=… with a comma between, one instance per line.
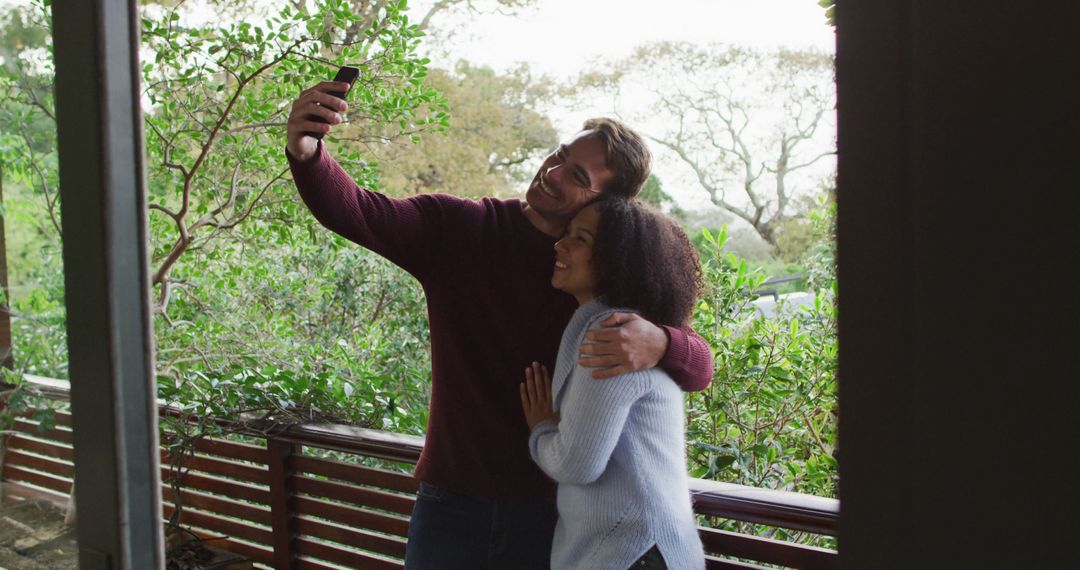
x=560, y=349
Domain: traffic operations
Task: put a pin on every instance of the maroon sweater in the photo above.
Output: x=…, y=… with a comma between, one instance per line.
x=486, y=272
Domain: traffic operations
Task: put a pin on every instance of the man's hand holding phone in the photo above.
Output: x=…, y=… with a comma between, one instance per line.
x=315, y=112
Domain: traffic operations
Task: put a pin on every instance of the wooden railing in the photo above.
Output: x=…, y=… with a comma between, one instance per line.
x=287, y=502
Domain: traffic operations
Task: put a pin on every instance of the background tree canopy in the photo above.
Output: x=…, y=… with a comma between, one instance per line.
x=744, y=123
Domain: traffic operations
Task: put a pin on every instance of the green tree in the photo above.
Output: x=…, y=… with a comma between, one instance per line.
x=494, y=131
x=653, y=193
x=219, y=95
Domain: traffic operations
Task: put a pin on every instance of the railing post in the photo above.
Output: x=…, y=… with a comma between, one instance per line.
x=281, y=503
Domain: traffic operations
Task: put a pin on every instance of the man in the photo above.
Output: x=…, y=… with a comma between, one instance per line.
x=486, y=271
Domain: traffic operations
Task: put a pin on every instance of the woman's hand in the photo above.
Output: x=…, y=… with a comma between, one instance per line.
x=536, y=395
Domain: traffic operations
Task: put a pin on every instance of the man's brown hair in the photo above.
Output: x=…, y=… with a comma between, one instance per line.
x=627, y=155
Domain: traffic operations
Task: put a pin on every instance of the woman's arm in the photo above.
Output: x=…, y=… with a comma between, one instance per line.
x=575, y=449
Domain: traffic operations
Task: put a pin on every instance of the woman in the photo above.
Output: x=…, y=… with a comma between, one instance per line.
x=616, y=446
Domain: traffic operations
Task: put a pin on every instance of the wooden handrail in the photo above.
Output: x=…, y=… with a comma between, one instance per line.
x=784, y=509
x=361, y=441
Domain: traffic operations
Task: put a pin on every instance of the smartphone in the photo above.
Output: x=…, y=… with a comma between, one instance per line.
x=344, y=75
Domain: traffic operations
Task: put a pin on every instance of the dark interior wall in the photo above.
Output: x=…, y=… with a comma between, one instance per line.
x=959, y=322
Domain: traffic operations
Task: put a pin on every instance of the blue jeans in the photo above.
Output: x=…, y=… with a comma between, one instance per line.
x=450, y=531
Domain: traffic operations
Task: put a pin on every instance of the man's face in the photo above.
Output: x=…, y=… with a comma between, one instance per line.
x=570, y=177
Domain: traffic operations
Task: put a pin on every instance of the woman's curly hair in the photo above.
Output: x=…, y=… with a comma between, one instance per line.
x=643, y=260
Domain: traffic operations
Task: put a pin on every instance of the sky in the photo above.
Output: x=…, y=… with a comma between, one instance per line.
x=559, y=37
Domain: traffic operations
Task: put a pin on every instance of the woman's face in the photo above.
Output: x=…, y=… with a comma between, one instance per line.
x=573, y=256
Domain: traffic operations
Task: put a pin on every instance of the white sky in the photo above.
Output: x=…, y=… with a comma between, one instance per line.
x=559, y=37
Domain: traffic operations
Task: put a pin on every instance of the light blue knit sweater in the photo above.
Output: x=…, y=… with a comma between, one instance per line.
x=618, y=456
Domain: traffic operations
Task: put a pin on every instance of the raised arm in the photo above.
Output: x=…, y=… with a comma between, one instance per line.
x=407, y=232
x=627, y=342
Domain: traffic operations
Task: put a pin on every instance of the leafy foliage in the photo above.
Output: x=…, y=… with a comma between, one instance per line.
x=28, y=163
x=769, y=418
x=494, y=132
x=218, y=96
x=830, y=11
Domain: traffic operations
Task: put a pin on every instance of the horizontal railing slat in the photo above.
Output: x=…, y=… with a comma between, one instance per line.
x=215, y=523
x=51, y=466
x=352, y=516
x=223, y=467
x=44, y=480
x=355, y=495
x=32, y=444
x=32, y=428
x=304, y=563
x=218, y=486
x=389, y=545
x=767, y=550
x=233, y=449
x=346, y=557
x=223, y=448
x=713, y=563
x=219, y=505
x=255, y=552
x=60, y=417
x=359, y=474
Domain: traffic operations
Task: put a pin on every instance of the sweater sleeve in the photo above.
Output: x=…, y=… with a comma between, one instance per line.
x=689, y=359
x=576, y=450
x=405, y=231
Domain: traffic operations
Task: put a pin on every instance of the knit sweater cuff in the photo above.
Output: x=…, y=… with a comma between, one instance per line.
x=688, y=359
x=678, y=350
x=541, y=428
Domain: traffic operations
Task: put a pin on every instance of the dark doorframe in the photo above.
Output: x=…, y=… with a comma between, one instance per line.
x=958, y=183
x=99, y=128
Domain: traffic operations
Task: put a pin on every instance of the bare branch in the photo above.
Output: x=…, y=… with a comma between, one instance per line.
x=159, y=207
x=208, y=217
x=50, y=202
x=167, y=144
x=255, y=126
x=703, y=179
